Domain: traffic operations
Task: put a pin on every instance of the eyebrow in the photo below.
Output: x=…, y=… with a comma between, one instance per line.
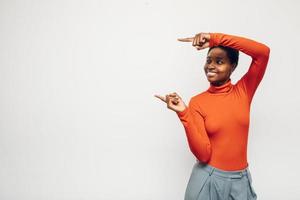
x=218, y=57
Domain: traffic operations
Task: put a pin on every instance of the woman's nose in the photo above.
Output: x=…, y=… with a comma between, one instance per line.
x=210, y=67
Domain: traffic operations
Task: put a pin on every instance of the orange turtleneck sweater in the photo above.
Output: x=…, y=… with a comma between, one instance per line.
x=216, y=121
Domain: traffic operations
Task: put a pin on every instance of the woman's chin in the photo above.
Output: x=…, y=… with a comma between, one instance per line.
x=210, y=79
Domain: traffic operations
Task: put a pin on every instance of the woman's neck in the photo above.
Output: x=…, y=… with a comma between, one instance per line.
x=225, y=87
x=219, y=83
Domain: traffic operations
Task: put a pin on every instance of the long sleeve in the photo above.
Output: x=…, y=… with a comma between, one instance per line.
x=259, y=53
x=197, y=137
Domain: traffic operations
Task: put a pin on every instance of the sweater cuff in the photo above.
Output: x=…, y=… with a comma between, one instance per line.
x=212, y=39
x=182, y=113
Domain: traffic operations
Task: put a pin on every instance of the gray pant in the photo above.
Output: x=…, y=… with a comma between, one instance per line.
x=209, y=183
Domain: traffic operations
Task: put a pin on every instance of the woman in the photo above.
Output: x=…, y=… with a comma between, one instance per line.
x=216, y=121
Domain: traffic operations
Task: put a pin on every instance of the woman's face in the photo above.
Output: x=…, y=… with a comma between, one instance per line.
x=217, y=67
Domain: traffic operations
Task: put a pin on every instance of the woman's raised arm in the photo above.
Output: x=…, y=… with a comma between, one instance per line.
x=258, y=51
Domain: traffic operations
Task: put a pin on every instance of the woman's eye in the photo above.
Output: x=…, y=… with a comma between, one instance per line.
x=219, y=62
x=207, y=61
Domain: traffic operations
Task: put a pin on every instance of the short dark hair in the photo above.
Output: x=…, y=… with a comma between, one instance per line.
x=233, y=54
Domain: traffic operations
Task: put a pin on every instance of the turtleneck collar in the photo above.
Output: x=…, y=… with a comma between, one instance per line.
x=225, y=88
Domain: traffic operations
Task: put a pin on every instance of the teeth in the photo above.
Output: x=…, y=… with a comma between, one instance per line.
x=210, y=73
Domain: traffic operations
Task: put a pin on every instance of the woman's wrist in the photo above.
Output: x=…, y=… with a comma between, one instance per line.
x=182, y=112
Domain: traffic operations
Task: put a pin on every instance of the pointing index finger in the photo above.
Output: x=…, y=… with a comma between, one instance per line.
x=161, y=97
x=188, y=39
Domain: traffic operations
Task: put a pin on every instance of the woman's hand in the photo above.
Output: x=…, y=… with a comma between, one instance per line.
x=173, y=101
x=200, y=41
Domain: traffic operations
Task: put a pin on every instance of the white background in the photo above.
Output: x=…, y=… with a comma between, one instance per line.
x=78, y=119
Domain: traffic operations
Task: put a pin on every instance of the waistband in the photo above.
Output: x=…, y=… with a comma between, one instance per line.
x=226, y=174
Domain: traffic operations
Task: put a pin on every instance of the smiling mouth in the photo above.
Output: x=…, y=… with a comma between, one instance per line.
x=211, y=73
